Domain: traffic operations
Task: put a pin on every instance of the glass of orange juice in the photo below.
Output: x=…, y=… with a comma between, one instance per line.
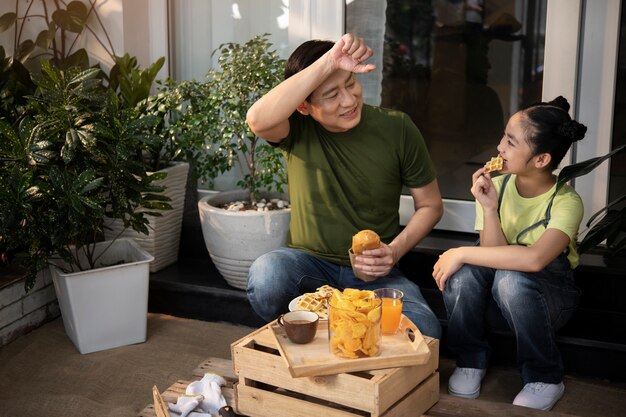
x=392, y=308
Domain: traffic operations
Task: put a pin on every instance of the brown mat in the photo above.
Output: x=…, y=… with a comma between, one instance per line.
x=42, y=373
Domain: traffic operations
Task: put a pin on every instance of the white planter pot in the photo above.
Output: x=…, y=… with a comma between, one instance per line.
x=235, y=239
x=164, y=238
x=106, y=307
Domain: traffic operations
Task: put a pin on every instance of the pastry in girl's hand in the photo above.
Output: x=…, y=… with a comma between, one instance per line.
x=495, y=164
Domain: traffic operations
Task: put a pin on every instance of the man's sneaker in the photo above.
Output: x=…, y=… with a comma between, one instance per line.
x=465, y=382
x=539, y=395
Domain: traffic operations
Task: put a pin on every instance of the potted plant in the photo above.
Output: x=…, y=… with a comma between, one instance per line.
x=214, y=133
x=609, y=223
x=68, y=163
x=160, y=152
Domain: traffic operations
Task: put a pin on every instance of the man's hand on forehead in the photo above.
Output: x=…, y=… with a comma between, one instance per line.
x=350, y=52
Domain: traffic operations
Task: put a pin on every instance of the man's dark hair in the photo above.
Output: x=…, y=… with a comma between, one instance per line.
x=305, y=55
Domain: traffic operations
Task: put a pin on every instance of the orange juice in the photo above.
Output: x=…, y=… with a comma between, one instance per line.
x=392, y=310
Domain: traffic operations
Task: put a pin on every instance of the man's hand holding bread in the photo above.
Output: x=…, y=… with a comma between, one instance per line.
x=372, y=257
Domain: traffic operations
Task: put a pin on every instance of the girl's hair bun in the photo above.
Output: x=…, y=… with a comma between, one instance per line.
x=572, y=130
x=561, y=103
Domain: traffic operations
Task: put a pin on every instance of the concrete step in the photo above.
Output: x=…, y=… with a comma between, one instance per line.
x=593, y=343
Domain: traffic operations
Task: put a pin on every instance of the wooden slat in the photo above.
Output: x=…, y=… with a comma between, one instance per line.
x=418, y=401
x=404, y=379
x=220, y=366
x=254, y=402
x=160, y=407
x=450, y=406
x=177, y=389
x=315, y=359
x=270, y=369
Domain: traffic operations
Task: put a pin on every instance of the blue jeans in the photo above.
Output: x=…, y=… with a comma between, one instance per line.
x=281, y=275
x=534, y=305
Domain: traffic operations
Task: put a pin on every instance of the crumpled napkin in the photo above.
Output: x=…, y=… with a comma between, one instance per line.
x=202, y=398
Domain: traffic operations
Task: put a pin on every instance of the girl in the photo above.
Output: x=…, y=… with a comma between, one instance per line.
x=523, y=267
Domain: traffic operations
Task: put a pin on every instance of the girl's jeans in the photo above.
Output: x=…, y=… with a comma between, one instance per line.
x=281, y=275
x=534, y=305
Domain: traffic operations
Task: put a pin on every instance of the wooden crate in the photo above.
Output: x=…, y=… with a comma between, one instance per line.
x=265, y=387
x=447, y=406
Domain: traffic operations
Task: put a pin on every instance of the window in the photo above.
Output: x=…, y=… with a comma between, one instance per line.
x=460, y=69
x=433, y=49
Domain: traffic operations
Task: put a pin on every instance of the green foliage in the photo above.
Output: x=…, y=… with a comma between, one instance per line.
x=68, y=163
x=609, y=223
x=212, y=128
x=76, y=146
x=15, y=86
x=133, y=82
x=133, y=85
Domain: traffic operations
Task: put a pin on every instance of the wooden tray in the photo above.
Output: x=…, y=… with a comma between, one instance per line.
x=315, y=358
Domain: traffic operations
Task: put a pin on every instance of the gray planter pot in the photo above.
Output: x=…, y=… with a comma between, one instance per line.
x=235, y=239
x=164, y=238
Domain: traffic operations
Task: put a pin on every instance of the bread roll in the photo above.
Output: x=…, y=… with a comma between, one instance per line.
x=364, y=240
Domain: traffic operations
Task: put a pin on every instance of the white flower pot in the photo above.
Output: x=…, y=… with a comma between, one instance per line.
x=235, y=239
x=164, y=239
x=106, y=307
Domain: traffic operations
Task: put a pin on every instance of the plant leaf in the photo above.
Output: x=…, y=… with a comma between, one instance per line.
x=43, y=40
x=604, y=209
x=7, y=20
x=606, y=228
x=584, y=167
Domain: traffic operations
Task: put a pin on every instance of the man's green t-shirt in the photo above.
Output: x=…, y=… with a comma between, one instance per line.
x=341, y=183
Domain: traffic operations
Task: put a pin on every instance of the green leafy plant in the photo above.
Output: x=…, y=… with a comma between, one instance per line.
x=212, y=128
x=609, y=223
x=133, y=85
x=15, y=86
x=67, y=164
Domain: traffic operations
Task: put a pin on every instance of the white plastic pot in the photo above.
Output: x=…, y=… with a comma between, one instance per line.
x=106, y=307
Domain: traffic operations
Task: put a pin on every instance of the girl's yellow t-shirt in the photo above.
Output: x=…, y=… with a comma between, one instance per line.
x=517, y=213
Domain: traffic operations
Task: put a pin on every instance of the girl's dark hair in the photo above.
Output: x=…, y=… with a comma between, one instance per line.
x=550, y=129
x=305, y=55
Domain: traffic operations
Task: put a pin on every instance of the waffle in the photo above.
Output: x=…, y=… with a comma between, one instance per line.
x=495, y=164
x=316, y=301
x=325, y=291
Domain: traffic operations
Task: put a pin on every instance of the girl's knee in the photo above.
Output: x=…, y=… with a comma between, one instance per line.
x=460, y=280
x=511, y=287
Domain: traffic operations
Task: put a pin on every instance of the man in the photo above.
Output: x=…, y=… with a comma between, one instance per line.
x=347, y=163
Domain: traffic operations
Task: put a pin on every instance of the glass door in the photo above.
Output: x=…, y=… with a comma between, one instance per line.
x=460, y=69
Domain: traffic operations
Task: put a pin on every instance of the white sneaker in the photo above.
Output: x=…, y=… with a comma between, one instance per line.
x=539, y=395
x=465, y=382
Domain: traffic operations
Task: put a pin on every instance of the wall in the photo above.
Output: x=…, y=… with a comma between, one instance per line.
x=21, y=312
x=102, y=44
x=199, y=26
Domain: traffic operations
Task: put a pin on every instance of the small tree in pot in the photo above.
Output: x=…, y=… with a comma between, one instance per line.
x=213, y=127
x=214, y=135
